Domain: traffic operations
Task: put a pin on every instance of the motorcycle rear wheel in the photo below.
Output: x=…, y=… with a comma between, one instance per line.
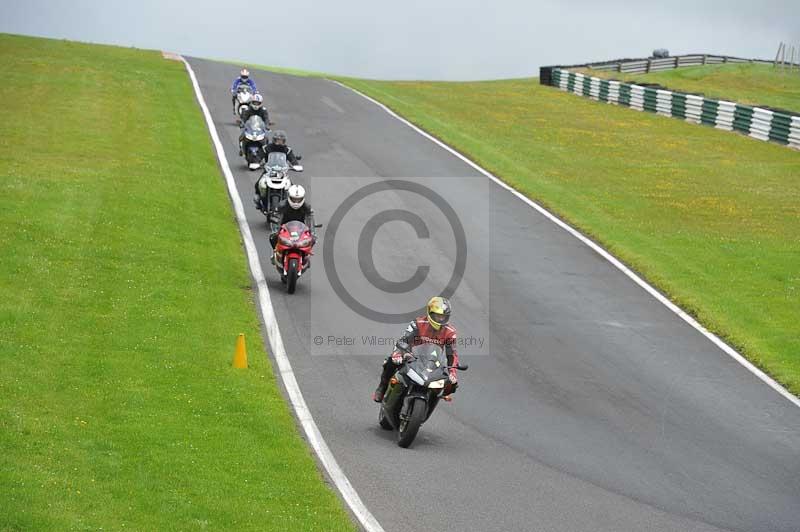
x=409, y=428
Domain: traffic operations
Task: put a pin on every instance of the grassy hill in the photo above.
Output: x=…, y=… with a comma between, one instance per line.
x=709, y=217
x=124, y=285
x=746, y=83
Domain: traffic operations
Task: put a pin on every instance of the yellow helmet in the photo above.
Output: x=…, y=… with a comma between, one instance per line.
x=438, y=312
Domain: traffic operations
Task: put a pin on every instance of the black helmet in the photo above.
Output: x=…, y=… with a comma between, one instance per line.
x=279, y=138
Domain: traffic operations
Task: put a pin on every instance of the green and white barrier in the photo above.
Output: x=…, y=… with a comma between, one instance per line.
x=758, y=123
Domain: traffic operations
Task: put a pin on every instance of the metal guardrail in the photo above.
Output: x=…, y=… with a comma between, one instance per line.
x=644, y=66
x=653, y=64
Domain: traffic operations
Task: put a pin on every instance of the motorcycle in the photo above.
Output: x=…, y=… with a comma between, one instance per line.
x=255, y=134
x=274, y=183
x=415, y=390
x=292, y=252
x=243, y=96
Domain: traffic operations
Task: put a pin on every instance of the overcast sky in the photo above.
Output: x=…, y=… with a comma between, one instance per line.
x=435, y=39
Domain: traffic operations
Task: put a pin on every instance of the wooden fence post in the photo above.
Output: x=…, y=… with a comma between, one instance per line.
x=777, y=55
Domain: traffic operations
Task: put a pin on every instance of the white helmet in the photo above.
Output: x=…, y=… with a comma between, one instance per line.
x=297, y=196
x=244, y=73
x=257, y=100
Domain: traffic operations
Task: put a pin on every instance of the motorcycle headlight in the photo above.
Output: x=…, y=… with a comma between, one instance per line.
x=436, y=384
x=415, y=377
x=303, y=242
x=259, y=137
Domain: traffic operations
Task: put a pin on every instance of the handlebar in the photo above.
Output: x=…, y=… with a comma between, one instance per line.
x=408, y=357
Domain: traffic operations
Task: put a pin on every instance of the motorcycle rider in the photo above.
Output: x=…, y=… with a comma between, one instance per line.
x=244, y=77
x=278, y=143
x=293, y=208
x=432, y=328
x=255, y=108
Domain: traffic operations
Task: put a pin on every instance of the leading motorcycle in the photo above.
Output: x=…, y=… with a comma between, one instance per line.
x=415, y=390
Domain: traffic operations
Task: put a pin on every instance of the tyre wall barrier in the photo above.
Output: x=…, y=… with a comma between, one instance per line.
x=782, y=127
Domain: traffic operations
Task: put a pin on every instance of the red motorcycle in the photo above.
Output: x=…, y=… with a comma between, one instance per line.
x=292, y=252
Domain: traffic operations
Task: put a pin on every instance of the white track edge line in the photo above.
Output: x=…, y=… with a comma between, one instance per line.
x=365, y=517
x=599, y=250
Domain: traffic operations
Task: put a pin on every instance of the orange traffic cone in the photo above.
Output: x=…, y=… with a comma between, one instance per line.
x=240, y=356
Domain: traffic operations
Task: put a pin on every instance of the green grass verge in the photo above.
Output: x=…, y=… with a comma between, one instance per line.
x=711, y=218
x=745, y=83
x=124, y=285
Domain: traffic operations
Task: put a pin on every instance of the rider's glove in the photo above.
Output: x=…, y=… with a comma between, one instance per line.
x=397, y=358
x=453, y=377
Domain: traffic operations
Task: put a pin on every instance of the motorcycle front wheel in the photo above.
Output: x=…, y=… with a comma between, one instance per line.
x=409, y=427
x=291, y=276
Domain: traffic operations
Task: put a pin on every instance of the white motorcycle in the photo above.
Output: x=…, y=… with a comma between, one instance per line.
x=274, y=183
x=253, y=142
x=243, y=96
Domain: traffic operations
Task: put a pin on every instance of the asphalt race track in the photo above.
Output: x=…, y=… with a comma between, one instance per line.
x=591, y=406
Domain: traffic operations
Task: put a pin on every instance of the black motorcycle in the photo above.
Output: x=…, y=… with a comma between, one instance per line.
x=415, y=390
x=253, y=142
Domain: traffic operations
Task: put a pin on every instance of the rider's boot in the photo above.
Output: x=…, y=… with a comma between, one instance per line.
x=379, y=392
x=386, y=374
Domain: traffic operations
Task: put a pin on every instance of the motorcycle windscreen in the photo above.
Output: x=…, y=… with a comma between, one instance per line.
x=277, y=159
x=430, y=362
x=295, y=229
x=255, y=127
